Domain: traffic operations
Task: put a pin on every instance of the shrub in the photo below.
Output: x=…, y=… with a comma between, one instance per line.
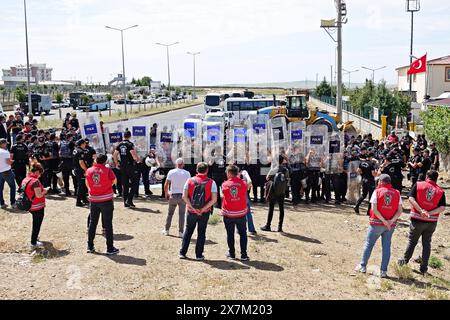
x=403, y=272
x=213, y=219
x=435, y=263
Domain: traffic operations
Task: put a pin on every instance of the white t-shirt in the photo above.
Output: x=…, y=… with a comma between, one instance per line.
x=373, y=200
x=4, y=156
x=178, y=178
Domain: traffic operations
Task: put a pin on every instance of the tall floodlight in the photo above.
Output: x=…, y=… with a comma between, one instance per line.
x=373, y=72
x=168, y=64
x=349, y=75
x=193, y=54
x=30, y=108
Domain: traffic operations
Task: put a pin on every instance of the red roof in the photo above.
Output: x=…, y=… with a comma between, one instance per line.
x=439, y=61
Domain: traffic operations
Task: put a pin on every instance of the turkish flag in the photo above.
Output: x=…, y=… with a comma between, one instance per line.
x=418, y=66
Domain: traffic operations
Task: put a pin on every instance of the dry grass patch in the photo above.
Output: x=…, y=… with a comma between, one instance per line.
x=403, y=272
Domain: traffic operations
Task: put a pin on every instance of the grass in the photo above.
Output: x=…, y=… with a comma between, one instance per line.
x=214, y=219
x=435, y=263
x=403, y=272
x=118, y=114
x=386, y=286
x=433, y=294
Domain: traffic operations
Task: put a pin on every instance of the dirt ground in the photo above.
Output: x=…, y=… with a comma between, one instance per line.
x=314, y=259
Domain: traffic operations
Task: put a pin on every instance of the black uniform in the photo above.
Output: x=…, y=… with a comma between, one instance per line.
x=90, y=152
x=297, y=173
x=80, y=155
x=433, y=155
x=129, y=171
x=53, y=165
x=144, y=172
x=66, y=155
x=426, y=166
x=19, y=166
x=415, y=172
x=368, y=182
x=217, y=173
x=397, y=178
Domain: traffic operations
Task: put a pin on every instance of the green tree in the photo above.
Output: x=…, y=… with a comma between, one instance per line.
x=130, y=96
x=145, y=81
x=86, y=100
x=324, y=89
x=59, y=98
x=108, y=96
x=437, y=127
x=20, y=95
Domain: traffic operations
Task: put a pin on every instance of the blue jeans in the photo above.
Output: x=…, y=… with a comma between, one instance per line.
x=373, y=233
x=251, y=226
x=8, y=176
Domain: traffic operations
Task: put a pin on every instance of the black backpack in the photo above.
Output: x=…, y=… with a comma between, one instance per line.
x=23, y=203
x=198, y=196
x=66, y=152
x=279, y=183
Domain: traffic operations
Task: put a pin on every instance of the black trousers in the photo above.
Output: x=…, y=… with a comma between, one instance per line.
x=296, y=185
x=419, y=229
x=52, y=167
x=20, y=172
x=38, y=217
x=326, y=187
x=193, y=221
x=368, y=188
x=272, y=202
x=82, y=189
x=67, y=172
x=397, y=183
x=144, y=172
x=118, y=186
x=105, y=209
x=44, y=178
x=241, y=225
x=130, y=182
x=313, y=185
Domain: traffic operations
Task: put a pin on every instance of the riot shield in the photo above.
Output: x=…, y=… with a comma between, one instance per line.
x=354, y=181
x=335, y=160
x=237, y=145
x=317, y=146
x=213, y=141
x=191, y=141
x=258, y=138
x=140, y=138
x=167, y=146
x=90, y=129
x=278, y=139
x=296, y=144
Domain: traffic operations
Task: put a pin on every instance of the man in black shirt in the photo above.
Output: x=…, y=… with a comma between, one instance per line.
x=367, y=172
x=128, y=168
x=53, y=163
x=16, y=128
x=90, y=154
x=66, y=153
x=79, y=162
x=434, y=156
x=426, y=165
x=74, y=122
x=414, y=166
x=19, y=153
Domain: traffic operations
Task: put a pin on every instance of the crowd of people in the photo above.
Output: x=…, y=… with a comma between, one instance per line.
x=36, y=162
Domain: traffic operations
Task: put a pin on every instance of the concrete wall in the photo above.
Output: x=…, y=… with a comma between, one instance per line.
x=364, y=125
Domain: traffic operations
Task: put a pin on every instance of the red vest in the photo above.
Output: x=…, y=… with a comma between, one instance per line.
x=428, y=196
x=191, y=186
x=99, y=179
x=388, y=200
x=37, y=203
x=234, y=202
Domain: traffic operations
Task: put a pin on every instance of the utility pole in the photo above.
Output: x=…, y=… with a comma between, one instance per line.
x=30, y=108
x=339, y=59
x=168, y=64
x=193, y=54
x=412, y=6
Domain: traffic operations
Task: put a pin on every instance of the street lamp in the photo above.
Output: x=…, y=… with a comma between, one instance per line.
x=123, y=63
x=412, y=6
x=30, y=108
x=373, y=72
x=349, y=75
x=168, y=64
x=193, y=56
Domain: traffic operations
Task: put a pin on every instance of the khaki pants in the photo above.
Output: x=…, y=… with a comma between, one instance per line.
x=174, y=201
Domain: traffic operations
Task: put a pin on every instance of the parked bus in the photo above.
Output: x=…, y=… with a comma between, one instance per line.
x=39, y=103
x=76, y=99
x=212, y=101
x=240, y=108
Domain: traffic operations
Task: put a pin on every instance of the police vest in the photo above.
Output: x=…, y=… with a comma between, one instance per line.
x=99, y=178
x=388, y=200
x=37, y=203
x=428, y=196
x=234, y=202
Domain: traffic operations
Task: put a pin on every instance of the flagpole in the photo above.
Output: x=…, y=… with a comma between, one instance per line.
x=427, y=78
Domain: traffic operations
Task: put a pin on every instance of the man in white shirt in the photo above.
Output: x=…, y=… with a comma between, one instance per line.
x=7, y=175
x=173, y=190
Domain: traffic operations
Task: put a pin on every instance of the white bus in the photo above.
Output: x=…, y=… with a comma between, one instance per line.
x=212, y=101
x=240, y=108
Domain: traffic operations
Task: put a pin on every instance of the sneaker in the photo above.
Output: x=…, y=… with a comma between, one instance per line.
x=37, y=245
x=90, y=250
x=165, y=232
x=14, y=206
x=266, y=228
x=202, y=258
x=112, y=252
x=80, y=205
x=180, y=234
x=253, y=233
x=130, y=205
x=383, y=274
x=118, y=196
x=360, y=268
x=126, y=205
x=231, y=256
x=401, y=262
x=182, y=256
x=245, y=257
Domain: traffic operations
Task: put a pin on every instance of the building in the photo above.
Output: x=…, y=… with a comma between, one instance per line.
x=432, y=83
x=155, y=87
x=17, y=75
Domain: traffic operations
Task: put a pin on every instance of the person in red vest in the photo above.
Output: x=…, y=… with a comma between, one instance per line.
x=427, y=201
x=200, y=195
x=386, y=208
x=36, y=192
x=99, y=181
x=234, y=211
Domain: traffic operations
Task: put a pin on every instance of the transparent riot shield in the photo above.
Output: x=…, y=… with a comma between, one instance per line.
x=335, y=160
x=213, y=141
x=90, y=129
x=167, y=145
x=191, y=142
x=354, y=181
x=237, y=139
x=317, y=146
x=140, y=138
x=296, y=144
x=278, y=139
x=258, y=138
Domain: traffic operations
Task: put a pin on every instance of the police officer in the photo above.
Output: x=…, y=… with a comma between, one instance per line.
x=216, y=170
x=297, y=172
x=53, y=163
x=427, y=201
x=144, y=172
x=426, y=165
x=66, y=153
x=19, y=154
x=398, y=164
x=414, y=165
x=128, y=168
x=42, y=155
x=90, y=154
x=368, y=173
x=313, y=173
x=434, y=156
x=79, y=163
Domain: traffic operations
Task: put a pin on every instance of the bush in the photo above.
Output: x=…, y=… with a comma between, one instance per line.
x=435, y=263
x=214, y=219
x=403, y=272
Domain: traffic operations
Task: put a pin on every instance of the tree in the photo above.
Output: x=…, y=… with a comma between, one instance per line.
x=130, y=96
x=59, y=98
x=324, y=89
x=20, y=95
x=108, y=96
x=437, y=127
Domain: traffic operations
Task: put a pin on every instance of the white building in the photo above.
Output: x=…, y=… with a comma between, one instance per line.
x=155, y=86
x=17, y=75
x=432, y=83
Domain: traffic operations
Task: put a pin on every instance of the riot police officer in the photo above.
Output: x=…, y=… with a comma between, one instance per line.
x=128, y=168
x=217, y=167
x=79, y=163
x=53, y=163
x=297, y=173
x=66, y=153
x=90, y=154
x=367, y=172
x=19, y=154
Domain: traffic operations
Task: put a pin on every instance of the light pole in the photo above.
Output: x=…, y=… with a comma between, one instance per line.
x=373, y=72
x=168, y=64
x=412, y=6
x=30, y=108
x=349, y=75
x=193, y=54
x=123, y=63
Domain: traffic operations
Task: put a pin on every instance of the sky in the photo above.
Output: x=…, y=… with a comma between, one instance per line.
x=241, y=41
